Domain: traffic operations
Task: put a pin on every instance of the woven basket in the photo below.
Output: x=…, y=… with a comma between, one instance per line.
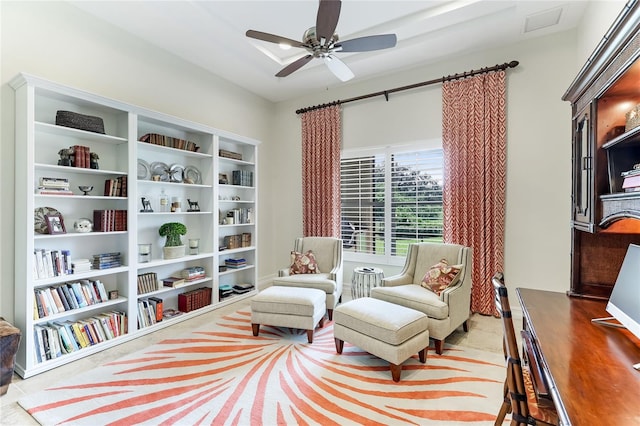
x=80, y=121
x=633, y=118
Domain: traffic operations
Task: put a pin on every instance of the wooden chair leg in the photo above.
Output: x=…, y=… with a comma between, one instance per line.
x=395, y=371
x=339, y=345
x=505, y=407
x=438, y=344
x=330, y=314
x=465, y=326
x=321, y=323
x=310, y=336
x=255, y=328
x=423, y=355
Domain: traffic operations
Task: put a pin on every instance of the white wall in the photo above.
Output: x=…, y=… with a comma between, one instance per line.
x=59, y=42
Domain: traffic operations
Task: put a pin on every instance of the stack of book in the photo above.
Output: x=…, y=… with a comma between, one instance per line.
x=236, y=263
x=106, y=260
x=225, y=290
x=242, y=288
x=631, y=181
x=54, y=186
x=193, y=273
x=80, y=265
x=173, y=282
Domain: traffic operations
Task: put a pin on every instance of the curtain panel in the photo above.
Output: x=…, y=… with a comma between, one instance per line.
x=474, y=144
x=321, y=142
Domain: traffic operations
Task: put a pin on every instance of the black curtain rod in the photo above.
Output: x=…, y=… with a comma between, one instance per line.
x=386, y=93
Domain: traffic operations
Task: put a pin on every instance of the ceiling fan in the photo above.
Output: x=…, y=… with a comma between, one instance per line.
x=321, y=41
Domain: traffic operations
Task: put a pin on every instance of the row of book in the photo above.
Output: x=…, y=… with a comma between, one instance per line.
x=147, y=282
x=109, y=220
x=150, y=311
x=115, y=187
x=242, y=177
x=57, y=338
x=168, y=141
x=194, y=299
x=241, y=215
x=54, y=186
x=631, y=182
x=51, y=263
x=107, y=260
x=82, y=157
x=67, y=297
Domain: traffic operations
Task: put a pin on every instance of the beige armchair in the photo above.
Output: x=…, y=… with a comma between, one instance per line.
x=447, y=311
x=328, y=254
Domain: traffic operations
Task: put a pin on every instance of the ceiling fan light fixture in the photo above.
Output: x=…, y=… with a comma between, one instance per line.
x=321, y=40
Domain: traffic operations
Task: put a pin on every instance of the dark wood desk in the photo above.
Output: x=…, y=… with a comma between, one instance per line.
x=589, y=366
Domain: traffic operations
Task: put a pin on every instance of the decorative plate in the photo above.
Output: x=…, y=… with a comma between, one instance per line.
x=144, y=172
x=175, y=172
x=39, y=221
x=161, y=169
x=192, y=173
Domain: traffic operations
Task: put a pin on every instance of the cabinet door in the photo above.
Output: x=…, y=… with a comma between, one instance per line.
x=583, y=165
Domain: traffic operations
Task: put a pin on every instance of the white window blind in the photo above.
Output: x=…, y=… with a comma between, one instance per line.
x=389, y=200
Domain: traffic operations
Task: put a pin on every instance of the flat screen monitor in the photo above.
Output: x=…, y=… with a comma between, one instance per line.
x=624, y=303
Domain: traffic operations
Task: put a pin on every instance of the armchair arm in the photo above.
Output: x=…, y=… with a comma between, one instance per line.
x=397, y=280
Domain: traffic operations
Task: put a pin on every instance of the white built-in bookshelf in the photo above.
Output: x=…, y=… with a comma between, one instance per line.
x=211, y=190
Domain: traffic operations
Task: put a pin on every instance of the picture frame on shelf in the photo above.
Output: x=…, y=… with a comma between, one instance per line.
x=223, y=179
x=113, y=294
x=55, y=224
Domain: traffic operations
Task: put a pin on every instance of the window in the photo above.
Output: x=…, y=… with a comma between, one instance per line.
x=390, y=198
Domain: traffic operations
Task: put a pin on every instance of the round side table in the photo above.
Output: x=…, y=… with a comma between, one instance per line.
x=364, y=279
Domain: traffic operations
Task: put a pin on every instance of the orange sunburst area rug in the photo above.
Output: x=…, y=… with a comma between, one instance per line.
x=222, y=375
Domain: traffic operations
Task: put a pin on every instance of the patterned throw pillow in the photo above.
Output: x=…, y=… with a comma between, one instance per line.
x=440, y=276
x=303, y=263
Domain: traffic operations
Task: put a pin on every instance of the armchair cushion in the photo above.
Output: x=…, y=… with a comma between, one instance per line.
x=414, y=297
x=441, y=276
x=303, y=263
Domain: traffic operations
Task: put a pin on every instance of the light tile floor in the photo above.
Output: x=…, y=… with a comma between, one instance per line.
x=485, y=333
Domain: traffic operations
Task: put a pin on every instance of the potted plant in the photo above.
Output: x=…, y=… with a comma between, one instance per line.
x=173, y=246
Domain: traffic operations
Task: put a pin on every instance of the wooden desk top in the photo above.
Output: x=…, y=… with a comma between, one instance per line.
x=591, y=365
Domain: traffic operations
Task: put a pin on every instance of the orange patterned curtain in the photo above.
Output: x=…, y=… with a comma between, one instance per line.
x=474, y=143
x=321, y=141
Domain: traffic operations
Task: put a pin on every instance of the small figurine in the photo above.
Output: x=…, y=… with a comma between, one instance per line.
x=146, y=206
x=93, y=160
x=65, y=157
x=193, y=206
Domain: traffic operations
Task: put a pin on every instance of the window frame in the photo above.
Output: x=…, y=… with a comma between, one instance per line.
x=387, y=151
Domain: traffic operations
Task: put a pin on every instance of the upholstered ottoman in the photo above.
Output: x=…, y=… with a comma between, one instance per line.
x=388, y=331
x=292, y=307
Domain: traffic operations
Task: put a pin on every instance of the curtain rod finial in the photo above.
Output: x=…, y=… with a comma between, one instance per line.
x=513, y=64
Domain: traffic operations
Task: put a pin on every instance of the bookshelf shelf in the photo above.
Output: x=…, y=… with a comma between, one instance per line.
x=119, y=154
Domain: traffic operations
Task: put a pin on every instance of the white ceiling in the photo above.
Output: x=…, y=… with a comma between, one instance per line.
x=211, y=34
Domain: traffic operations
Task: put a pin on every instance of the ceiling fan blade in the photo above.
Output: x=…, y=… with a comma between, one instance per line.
x=339, y=68
x=366, y=44
x=273, y=38
x=327, y=19
x=294, y=66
